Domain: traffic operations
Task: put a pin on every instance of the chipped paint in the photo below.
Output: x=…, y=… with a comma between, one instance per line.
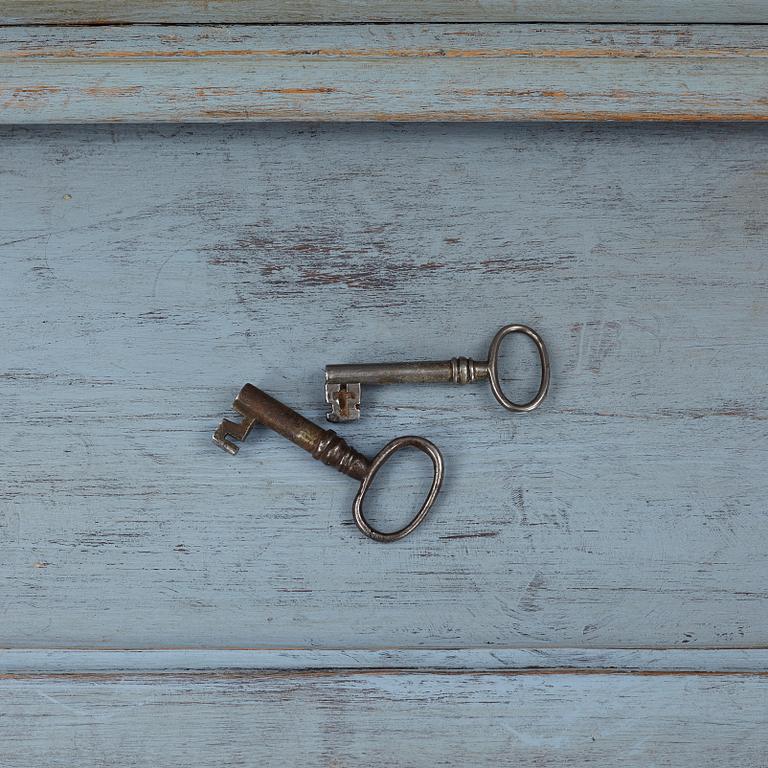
x=385, y=74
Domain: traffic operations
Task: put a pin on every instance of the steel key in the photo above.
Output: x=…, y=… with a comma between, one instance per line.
x=343, y=382
x=256, y=406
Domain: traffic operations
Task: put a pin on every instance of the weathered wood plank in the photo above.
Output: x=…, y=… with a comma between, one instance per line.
x=57, y=661
x=415, y=719
x=304, y=11
x=148, y=272
x=383, y=73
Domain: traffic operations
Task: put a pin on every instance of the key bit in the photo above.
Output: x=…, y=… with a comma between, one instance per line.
x=344, y=400
x=234, y=429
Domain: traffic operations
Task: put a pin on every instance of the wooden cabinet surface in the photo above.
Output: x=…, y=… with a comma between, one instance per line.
x=591, y=587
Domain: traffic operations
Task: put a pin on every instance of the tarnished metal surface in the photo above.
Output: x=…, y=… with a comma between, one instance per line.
x=343, y=382
x=256, y=406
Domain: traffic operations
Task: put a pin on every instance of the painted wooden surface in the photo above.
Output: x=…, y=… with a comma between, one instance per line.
x=147, y=272
x=302, y=11
x=62, y=661
x=383, y=73
x=414, y=719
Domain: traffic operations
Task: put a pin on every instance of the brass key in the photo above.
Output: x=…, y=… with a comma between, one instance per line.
x=256, y=406
x=343, y=382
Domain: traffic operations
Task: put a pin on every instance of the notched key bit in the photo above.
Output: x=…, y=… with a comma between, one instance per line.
x=234, y=429
x=256, y=406
x=344, y=400
x=343, y=382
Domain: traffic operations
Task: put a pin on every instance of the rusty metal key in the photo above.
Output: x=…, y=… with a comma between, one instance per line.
x=343, y=382
x=256, y=406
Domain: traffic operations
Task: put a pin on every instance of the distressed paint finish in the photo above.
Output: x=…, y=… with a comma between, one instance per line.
x=383, y=73
x=383, y=719
x=58, y=661
x=148, y=272
x=307, y=11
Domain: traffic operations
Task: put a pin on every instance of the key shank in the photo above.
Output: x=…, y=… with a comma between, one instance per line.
x=457, y=370
x=343, y=382
x=256, y=406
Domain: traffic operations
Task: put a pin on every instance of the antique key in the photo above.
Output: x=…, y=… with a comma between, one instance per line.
x=343, y=382
x=325, y=445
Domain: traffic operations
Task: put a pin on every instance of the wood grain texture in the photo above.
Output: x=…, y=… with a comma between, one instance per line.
x=383, y=73
x=418, y=719
x=304, y=11
x=21, y=662
x=148, y=272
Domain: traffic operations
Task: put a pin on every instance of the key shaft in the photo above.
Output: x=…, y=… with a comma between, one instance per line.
x=256, y=406
x=457, y=370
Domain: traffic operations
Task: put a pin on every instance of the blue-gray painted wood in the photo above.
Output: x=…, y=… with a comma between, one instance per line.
x=383, y=73
x=148, y=272
x=303, y=11
x=384, y=719
x=55, y=661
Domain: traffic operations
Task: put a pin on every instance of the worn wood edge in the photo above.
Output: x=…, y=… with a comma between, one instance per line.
x=414, y=718
x=299, y=11
x=393, y=73
x=51, y=662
